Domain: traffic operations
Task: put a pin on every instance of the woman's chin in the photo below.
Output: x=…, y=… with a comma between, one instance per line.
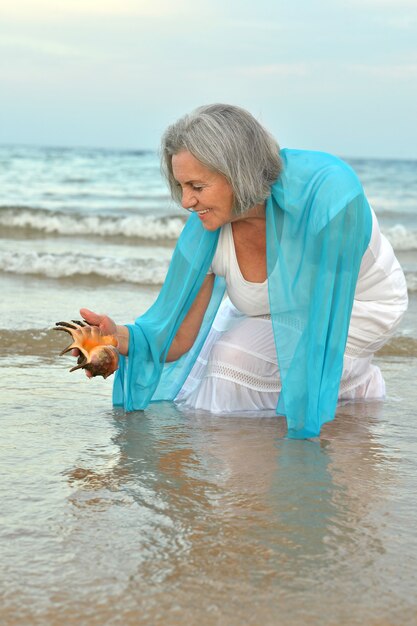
x=210, y=222
x=211, y=227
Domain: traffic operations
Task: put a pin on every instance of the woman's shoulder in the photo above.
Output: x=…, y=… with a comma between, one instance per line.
x=311, y=163
x=315, y=181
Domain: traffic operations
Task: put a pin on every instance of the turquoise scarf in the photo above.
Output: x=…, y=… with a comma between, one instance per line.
x=318, y=225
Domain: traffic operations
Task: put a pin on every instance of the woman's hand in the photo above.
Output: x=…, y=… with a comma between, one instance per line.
x=106, y=326
x=104, y=323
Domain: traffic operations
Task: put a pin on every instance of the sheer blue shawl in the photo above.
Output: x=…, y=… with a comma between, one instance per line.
x=318, y=225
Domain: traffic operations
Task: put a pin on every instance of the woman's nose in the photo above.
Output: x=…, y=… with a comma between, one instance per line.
x=188, y=200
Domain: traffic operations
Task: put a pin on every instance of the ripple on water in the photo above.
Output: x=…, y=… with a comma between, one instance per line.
x=162, y=518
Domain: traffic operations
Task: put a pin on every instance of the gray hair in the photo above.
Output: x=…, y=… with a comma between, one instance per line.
x=228, y=140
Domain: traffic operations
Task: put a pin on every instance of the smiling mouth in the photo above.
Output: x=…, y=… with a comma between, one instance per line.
x=203, y=212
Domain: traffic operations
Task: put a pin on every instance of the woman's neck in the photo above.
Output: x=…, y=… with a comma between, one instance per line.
x=252, y=216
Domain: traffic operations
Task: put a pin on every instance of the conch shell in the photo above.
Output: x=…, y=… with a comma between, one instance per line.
x=98, y=353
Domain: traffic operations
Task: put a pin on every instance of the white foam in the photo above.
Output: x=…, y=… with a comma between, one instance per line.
x=140, y=226
x=400, y=238
x=411, y=278
x=139, y=271
x=143, y=226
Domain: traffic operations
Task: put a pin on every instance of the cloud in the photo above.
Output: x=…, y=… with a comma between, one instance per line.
x=274, y=69
x=403, y=71
x=51, y=9
x=402, y=22
x=388, y=4
x=37, y=46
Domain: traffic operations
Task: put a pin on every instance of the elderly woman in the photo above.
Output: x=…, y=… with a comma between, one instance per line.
x=313, y=288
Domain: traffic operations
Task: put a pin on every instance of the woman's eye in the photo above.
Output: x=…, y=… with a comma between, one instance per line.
x=196, y=188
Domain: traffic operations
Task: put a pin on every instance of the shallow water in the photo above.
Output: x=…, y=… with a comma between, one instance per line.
x=158, y=517
x=164, y=518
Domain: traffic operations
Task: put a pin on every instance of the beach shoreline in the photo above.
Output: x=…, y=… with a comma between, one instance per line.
x=163, y=517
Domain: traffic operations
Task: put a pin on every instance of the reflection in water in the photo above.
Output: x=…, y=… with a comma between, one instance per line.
x=207, y=513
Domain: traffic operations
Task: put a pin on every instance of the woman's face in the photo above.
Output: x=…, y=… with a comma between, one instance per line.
x=207, y=193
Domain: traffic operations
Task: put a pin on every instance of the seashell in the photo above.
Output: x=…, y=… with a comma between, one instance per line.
x=98, y=353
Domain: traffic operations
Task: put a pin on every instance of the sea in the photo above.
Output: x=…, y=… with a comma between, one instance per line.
x=162, y=518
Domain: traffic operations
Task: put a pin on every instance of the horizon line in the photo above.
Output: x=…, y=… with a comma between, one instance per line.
x=59, y=146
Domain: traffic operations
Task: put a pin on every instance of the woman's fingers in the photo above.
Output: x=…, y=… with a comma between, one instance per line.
x=106, y=325
x=92, y=318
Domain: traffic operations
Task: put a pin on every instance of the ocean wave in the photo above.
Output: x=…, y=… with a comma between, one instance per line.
x=138, y=271
x=146, y=227
x=143, y=271
x=399, y=346
x=401, y=238
x=33, y=342
x=411, y=278
x=47, y=343
x=138, y=226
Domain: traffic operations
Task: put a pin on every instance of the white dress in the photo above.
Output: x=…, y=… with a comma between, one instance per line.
x=237, y=369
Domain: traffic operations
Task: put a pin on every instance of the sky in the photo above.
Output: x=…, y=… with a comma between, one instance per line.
x=332, y=75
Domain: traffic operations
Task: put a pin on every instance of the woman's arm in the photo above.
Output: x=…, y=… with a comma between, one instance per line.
x=122, y=334
x=189, y=329
x=186, y=334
